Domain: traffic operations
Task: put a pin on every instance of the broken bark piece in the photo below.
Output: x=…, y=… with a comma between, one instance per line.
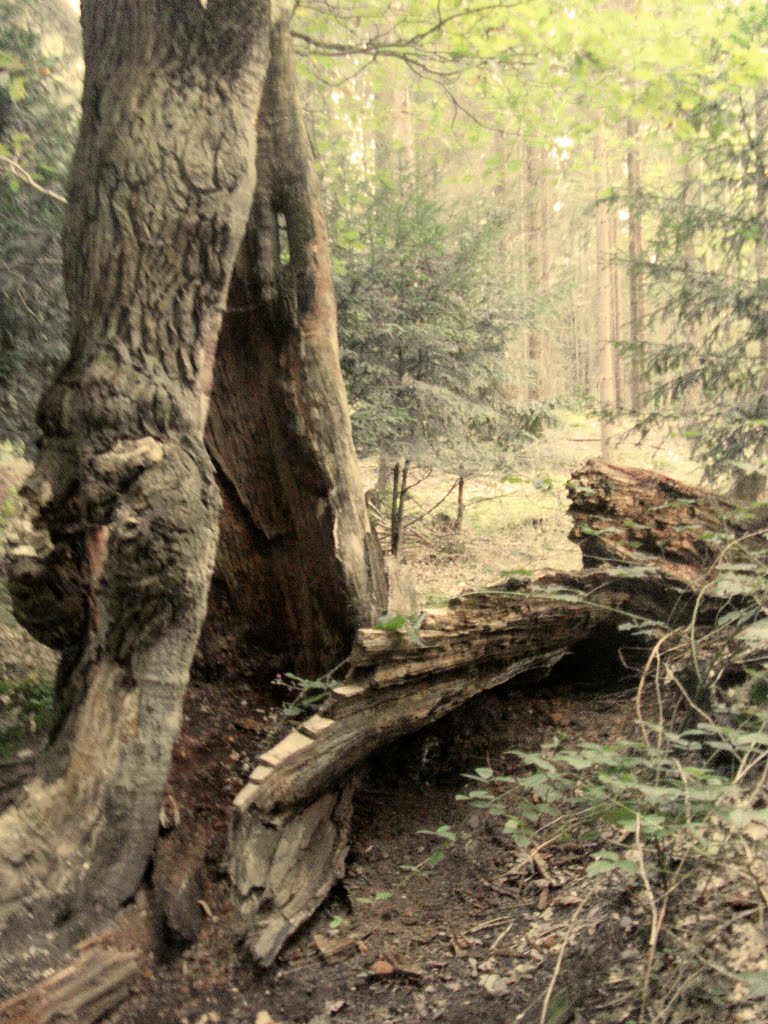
x=283, y=867
x=334, y=949
x=290, y=744
x=83, y=992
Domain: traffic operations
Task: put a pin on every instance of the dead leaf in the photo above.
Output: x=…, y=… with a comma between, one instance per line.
x=494, y=984
x=382, y=968
x=249, y=724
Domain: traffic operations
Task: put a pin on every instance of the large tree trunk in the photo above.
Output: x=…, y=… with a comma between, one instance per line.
x=112, y=554
x=298, y=569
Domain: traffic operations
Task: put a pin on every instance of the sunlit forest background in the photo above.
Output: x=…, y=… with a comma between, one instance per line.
x=532, y=206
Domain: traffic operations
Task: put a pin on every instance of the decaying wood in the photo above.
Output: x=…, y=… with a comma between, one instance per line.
x=13, y=774
x=626, y=516
x=84, y=992
x=284, y=865
x=300, y=775
x=178, y=882
x=650, y=542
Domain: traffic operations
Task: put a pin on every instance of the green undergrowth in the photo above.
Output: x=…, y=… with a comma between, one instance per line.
x=672, y=821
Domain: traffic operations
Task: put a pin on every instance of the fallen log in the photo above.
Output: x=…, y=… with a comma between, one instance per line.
x=648, y=543
x=83, y=992
x=626, y=516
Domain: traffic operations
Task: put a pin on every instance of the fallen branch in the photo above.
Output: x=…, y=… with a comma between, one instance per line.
x=83, y=992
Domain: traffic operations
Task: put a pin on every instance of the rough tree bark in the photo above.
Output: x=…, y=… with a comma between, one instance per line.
x=298, y=568
x=112, y=553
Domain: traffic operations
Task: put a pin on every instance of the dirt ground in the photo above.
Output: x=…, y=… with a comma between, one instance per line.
x=472, y=942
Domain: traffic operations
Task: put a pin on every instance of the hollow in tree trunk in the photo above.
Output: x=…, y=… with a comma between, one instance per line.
x=298, y=569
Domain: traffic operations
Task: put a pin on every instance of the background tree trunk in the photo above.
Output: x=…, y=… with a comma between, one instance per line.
x=117, y=532
x=533, y=219
x=602, y=235
x=636, y=283
x=298, y=568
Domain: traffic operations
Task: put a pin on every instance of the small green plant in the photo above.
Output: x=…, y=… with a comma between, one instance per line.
x=378, y=897
x=26, y=710
x=308, y=694
x=647, y=794
x=445, y=837
x=408, y=625
x=664, y=812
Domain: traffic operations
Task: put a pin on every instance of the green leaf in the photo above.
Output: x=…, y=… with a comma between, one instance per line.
x=391, y=623
x=11, y=62
x=607, y=861
x=17, y=88
x=756, y=982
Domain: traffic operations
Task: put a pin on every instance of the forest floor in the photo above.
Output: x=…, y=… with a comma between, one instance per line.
x=441, y=915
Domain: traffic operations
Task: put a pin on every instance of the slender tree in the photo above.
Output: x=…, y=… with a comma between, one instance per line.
x=604, y=337
x=634, y=272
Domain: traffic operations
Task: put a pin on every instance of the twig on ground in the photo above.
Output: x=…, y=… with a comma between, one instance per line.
x=561, y=956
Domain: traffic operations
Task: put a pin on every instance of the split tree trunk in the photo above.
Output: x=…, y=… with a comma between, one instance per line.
x=298, y=568
x=112, y=553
